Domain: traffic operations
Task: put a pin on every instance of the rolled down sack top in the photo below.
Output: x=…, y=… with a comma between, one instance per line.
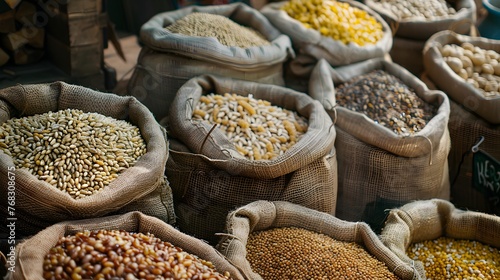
x=455, y=86
x=313, y=43
x=154, y=35
x=423, y=28
x=198, y=136
x=43, y=200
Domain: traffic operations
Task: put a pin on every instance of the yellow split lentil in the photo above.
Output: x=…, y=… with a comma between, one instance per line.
x=449, y=258
x=297, y=253
x=337, y=20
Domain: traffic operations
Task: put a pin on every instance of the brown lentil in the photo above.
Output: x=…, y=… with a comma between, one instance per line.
x=79, y=153
x=226, y=31
x=386, y=100
x=259, y=130
x=295, y=253
x=478, y=67
x=335, y=19
x=417, y=9
x=449, y=258
x=105, y=254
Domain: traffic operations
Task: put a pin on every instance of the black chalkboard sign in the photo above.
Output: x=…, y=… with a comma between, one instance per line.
x=486, y=176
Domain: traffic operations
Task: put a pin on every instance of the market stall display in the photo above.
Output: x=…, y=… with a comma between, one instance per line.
x=210, y=175
x=174, y=51
x=393, y=147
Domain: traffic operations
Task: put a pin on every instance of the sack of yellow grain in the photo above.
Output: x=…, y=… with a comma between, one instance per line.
x=324, y=30
x=392, y=137
x=444, y=242
x=128, y=246
x=282, y=240
x=69, y=152
x=231, y=40
x=234, y=142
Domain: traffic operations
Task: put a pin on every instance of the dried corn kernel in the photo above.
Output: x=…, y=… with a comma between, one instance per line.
x=448, y=258
x=337, y=20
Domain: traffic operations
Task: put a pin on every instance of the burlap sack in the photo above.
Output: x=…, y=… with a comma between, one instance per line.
x=310, y=42
x=466, y=129
x=409, y=54
x=422, y=29
x=378, y=169
x=265, y=215
x=454, y=86
x=210, y=178
x=430, y=219
x=31, y=252
x=38, y=204
x=168, y=60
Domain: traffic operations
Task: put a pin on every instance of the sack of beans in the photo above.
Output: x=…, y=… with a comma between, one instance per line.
x=419, y=20
x=392, y=137
x=467, y=69
x=467, y=130
x=241, y=141
x=415, y=21
x=281, y=240
x=232, y=40
x=69, y=152
x=440, y=241
x=341, y=32
x=128, y=246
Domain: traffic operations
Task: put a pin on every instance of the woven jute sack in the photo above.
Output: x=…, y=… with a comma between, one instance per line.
x=209, y=177
x=454, y=86
x=30, y=252
x=424, y=220
x=379, y=169
x=466, y=130
x=141, y=187
x=167, y=60
x=423, y=29
x=310, y=42
x=266, y=215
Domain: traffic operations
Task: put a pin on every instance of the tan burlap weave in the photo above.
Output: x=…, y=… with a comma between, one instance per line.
x=377, y=168
x=168, y=60
x=209, y=177
x=430, y=219
x=466, y=129
x=31, y=252
x=39, y=204
x=454, y=86
x=264, y=215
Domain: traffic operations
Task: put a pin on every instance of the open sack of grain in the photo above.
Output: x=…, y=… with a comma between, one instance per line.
x=73, y=153
x=467, y=69
x=341, y=32
x=469, y=134
x=392, y=137
x=443, y=242
x=282, y=240
x=232, y=40
x=414, y=22
x=128, y=246
x=265, y=142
